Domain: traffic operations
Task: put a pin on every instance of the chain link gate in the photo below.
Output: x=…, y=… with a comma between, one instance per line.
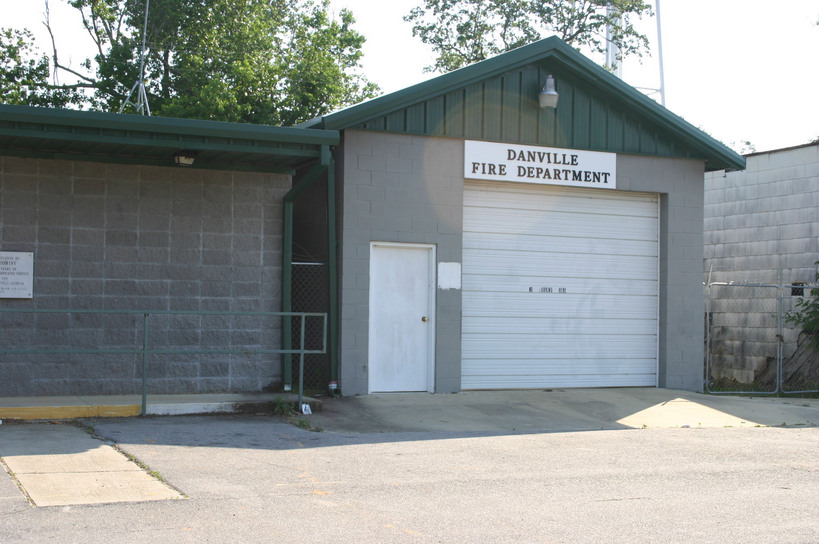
x=310, y=283
x=752, y=346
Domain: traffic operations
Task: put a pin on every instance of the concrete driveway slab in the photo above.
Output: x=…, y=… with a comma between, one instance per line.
x=103, y=458
x=44, y=449
x=559, y=410
x=67, y=488
x=60, y=465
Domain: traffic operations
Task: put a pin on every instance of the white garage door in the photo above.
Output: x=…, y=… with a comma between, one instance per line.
x=560, y=287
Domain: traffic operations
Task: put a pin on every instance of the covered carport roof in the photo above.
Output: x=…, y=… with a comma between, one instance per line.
x=135, y=139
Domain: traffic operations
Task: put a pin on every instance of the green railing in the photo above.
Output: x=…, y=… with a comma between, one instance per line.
x=146, y=350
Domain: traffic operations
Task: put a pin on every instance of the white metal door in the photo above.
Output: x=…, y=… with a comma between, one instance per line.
x=401, y=331
x=560, y=287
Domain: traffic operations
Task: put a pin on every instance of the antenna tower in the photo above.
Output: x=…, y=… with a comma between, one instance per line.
x=660, y=53
x=616, y=64
x=141, y=103
x=613, y=59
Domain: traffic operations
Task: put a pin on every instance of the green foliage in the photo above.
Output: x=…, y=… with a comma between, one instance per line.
x=806, y=315
x=24, y=74
x=274, y=62
x=283, y=408
x=462, y=32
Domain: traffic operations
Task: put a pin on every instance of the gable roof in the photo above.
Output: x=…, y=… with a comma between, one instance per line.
x=496, y=100
x=135, y=139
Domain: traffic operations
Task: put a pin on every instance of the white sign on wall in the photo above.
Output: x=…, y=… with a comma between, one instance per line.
x=16, y=274
x=541, y=165
x=449, y=276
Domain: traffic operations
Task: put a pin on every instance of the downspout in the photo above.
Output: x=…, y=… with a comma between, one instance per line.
x=314, y=173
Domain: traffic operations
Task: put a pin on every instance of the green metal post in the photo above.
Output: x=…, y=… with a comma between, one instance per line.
x=145, y=345
x=287, y=295
x=301, y=362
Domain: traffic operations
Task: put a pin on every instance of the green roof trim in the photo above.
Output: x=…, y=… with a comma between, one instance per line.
x=135, y=139
x=496, y=100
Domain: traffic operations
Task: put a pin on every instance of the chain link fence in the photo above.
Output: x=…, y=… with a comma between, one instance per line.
x=310, y=294
x=753, y=344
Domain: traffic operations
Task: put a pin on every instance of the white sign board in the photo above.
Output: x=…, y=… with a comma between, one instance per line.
x=449, y=276
x=541, y=165
x=16, y=274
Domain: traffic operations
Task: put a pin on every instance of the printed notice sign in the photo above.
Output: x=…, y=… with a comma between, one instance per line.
x=16, y=274
x=543, y=165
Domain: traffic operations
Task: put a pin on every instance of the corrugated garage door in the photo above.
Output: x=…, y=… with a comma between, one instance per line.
x=560, y=287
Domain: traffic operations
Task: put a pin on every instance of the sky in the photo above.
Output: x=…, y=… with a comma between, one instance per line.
x=741, y=70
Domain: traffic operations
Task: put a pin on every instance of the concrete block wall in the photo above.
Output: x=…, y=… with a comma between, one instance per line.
x=764, y=219
x=679, y=184
x=122, y=237
x=398, y=188
x=761, y=226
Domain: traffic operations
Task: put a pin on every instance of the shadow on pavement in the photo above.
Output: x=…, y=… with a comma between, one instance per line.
x=420, y=416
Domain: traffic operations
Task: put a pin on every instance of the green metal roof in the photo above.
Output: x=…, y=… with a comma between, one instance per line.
x=496, y=100
x=135, y=139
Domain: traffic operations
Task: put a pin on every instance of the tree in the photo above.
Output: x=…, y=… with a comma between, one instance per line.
x=24, y=74
x=274, y=62
x=806, y=315
x=462, y=32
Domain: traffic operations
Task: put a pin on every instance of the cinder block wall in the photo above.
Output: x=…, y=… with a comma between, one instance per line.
x=121, y=237
x=764, y=219
x=679, y=183
x=399, y=188
x=761, y=226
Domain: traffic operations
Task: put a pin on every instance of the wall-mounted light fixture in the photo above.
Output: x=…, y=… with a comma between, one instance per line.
x=184, y=158
x=548, y=96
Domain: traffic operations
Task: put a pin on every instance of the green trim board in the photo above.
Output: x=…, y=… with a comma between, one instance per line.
x=134, y=139
x=496, y=100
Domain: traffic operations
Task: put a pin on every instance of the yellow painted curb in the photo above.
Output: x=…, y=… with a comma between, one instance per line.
x=68, y=412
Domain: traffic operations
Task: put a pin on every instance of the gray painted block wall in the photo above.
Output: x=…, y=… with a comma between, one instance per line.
x=119, y=237
x=761, y=226
x=405, y=188
x=398, y=188
x=679, y=184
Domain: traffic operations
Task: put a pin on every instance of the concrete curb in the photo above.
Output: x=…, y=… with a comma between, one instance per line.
x=35, y=408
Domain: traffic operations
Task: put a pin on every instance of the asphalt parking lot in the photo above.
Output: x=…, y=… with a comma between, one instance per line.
x=250, y=478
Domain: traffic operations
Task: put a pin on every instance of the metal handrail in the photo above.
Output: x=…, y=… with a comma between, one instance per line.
x=146, y=350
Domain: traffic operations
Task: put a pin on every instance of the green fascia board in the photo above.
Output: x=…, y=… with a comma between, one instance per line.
x=558, y=54
x=264, y=168
x=144, y=139
x=164, y=129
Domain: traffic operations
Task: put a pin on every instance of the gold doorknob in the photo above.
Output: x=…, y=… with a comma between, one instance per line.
x=425, y=319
